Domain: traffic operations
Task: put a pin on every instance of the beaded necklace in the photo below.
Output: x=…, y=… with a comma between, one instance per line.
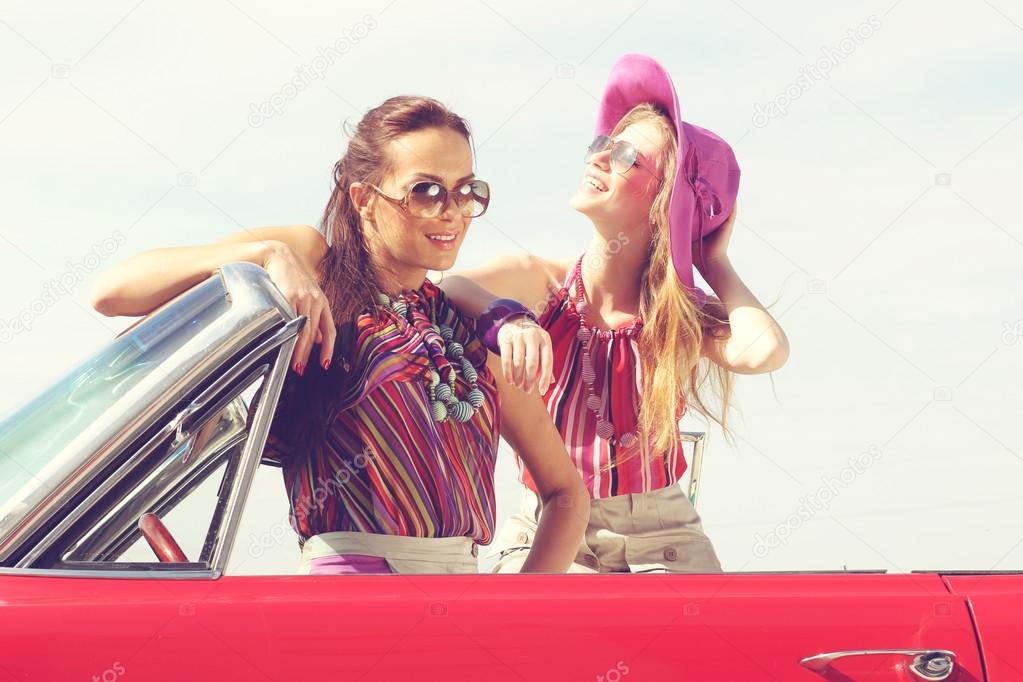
x=444, y=353
x=585, y=334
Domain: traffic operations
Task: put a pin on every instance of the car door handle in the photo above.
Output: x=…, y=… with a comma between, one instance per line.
x=926, y=664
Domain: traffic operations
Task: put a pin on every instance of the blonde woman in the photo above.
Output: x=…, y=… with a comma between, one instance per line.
x=628, y=328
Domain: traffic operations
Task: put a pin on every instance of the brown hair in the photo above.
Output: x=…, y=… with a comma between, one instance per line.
x=673, y=327
x=349, y=279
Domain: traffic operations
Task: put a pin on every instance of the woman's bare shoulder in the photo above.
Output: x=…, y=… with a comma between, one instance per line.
x=310, y=242
x=561, y=267
x=553, y=271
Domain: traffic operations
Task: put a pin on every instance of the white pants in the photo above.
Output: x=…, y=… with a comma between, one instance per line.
x=402, y=553
x=657, y=531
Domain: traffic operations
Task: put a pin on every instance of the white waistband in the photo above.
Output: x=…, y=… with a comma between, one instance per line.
x=439, y=552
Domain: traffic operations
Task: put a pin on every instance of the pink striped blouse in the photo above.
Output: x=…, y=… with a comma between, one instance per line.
x=607, y=469
x=384, y=465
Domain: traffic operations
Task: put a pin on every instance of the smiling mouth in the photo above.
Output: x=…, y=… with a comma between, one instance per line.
x=442, y=238
x=597, y=185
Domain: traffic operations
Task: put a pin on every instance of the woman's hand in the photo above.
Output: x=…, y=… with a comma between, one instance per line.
x=292, y=277
x=526, y=354
x=755, y=342
x=714, y=247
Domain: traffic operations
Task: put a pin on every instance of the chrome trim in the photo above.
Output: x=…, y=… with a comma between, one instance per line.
x=155, y=574
x=253, y=452
x=171, y=479
x=927, y=664
x=699, y=438
x=287, y=332
x=256, y=307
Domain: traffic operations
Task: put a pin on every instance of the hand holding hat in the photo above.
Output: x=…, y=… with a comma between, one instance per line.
x=714, y=247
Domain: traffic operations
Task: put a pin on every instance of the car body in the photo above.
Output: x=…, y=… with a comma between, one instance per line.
x=93, y=464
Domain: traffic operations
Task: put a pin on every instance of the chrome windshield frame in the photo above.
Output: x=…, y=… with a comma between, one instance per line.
x=256, y=309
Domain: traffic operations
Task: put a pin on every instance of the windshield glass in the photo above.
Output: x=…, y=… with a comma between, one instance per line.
x=31, y=437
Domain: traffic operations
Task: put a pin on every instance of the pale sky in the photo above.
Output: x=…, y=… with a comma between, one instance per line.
x=878, y=211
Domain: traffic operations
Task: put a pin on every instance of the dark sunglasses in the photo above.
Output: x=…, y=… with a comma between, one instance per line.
x=624, y=154
x=429, y=199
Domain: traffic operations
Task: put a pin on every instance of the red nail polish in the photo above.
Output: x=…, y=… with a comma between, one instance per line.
x=300, y=368
x=326, y=364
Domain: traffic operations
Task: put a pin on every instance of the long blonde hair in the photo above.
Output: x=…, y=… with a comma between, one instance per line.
x=674, y=374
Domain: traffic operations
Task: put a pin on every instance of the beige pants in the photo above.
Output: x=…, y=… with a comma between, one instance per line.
x=403, y=554
x=658, y=531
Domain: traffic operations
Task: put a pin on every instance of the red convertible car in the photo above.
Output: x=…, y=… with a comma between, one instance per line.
x=93, y=585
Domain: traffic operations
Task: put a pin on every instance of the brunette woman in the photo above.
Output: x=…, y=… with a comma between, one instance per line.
x=388, y=436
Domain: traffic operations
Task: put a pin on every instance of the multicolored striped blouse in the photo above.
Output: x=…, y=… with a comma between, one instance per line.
x=607, y=470
x=385, y=466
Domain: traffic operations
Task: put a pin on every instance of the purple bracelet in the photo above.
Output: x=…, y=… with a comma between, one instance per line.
x=494, y=317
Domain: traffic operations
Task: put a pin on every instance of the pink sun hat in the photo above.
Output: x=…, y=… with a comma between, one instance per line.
x=707, y=180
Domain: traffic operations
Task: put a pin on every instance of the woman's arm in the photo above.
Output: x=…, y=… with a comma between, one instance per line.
x=524, y=278
x=142, y=283
x=756, y=342
x=290, y=254
x=525, y=349
x=527, y=428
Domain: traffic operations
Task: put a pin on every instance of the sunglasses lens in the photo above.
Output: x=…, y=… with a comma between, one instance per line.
x=623, y=156
x=473, y=198
x=425, y=199
x=598, y=145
